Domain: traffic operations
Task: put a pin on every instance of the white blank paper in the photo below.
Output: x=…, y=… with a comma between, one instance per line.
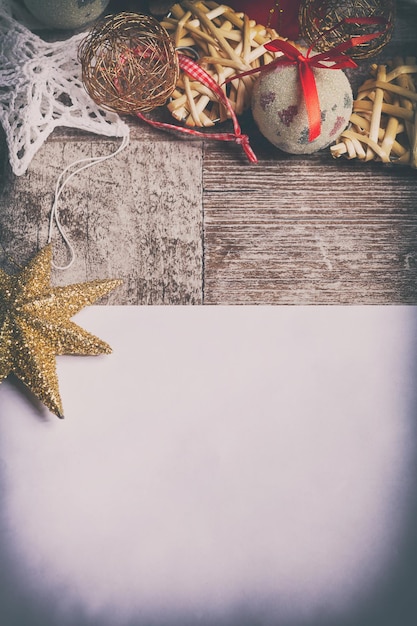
x=223, y=466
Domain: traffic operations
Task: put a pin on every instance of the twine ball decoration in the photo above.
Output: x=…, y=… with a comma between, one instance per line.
x=129, y=63
x=280, y=112
x=321, y=24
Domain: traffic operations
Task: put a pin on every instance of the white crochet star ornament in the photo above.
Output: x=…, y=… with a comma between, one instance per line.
x=40, y=89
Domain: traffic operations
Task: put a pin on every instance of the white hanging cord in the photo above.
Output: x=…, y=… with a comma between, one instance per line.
x=60, y=185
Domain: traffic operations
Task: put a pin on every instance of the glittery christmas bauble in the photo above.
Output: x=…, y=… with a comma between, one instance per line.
x=66, y=14
x=322, y=24
x=279, y=108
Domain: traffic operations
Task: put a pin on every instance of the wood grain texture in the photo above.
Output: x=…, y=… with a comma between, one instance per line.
x=298, y=231
x=187, y=222
x=137, y=217
x=311, y=230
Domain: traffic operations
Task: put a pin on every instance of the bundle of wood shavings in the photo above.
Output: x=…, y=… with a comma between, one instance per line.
x=225, y=43
x=383, y=124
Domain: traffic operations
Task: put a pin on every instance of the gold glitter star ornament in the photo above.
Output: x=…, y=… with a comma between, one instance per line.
x=35, y=326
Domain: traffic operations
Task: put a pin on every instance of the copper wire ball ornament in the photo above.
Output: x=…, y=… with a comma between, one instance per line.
x=322, y=25
x=129, y=63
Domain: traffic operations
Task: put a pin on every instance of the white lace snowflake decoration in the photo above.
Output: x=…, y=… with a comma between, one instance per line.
x=40, y=89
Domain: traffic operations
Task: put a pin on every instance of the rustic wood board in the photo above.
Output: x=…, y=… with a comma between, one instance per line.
x=137, y=216
x=299, y=231
x=311, y=230
x=187, y=222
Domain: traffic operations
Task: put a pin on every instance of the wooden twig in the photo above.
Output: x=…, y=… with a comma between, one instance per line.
x=227, y=43
x=383, y=125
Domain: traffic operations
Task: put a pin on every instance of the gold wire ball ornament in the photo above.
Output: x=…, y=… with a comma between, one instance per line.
x=129, y=63
x=322, y=24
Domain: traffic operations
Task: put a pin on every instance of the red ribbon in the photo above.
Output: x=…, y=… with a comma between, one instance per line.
x=305, y=63
x=198, y=73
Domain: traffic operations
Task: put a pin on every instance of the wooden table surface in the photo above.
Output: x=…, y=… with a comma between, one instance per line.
x=192, y=222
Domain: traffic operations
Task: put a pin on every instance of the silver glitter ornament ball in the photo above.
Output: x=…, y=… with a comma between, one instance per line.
x=66, y=14
x=279, y=108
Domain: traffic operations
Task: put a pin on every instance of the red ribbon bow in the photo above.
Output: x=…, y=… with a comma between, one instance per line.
x=333, y=59
x=306, y=63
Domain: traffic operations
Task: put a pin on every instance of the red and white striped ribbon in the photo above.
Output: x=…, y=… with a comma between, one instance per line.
x=196, y=72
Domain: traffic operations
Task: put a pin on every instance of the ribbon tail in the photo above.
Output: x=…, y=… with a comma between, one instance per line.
x=198, y=73
x=244, y=141
x=255, y=70
x=311, y=96
x=280, y=45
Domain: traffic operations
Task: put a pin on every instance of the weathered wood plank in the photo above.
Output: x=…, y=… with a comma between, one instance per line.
x=289, y=230
x=311, y=230
x=137, y=216
x=266, y=228
x=307, y=185
x=310, y=261
x=138, y=129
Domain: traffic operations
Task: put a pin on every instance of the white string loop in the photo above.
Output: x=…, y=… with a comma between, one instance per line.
x=59, y=187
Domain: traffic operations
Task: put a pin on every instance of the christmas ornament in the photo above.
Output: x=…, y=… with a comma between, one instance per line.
x=279, y=109
x=300, y=104
x=35, y=326
x=282, y=15
x=41, y=89
x=328, y=23
x=111, y=77
x=129, y=63
x=225, y=44
x=383, y=125
x=66, y=13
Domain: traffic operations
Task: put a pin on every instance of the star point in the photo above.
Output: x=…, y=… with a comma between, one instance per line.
x=35, y=326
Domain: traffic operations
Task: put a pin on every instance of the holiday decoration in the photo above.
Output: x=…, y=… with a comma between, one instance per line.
x=41, y=89
x=35, y=326
x=225, y=44
x=383, y=125
x=66, y=13
x=282, y=15
x=300, y=104
x=328, y=23
x=129, y=63
x=112, y=65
